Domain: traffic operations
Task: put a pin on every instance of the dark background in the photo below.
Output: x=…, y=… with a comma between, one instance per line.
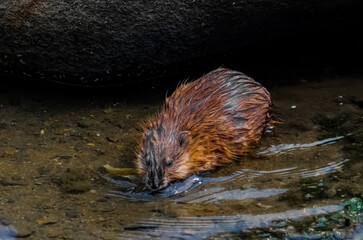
x=123, y=43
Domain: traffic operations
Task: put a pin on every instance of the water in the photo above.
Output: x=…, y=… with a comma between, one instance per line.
x=53, y=185
x=6, y=232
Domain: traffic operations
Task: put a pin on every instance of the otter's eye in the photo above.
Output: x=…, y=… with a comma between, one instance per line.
x=181, y=140
x=169, y=164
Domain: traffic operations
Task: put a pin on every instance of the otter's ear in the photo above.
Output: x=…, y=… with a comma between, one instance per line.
x=183, y=137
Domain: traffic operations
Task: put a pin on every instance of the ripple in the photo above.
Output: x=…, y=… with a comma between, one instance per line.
x=142, y=194
x=201, y=227
x=217, y=194
x=245, y=183
x=284, y=148
x=332, y=167
x=200, y=189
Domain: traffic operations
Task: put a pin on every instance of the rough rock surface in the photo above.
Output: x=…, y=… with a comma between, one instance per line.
x=92, y=41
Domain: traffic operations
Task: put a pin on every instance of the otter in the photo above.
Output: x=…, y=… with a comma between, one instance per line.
x=203, y=124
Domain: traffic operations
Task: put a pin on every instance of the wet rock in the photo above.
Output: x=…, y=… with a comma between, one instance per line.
x=100, y=152
x=72, y=212
x=84, y=124
x=11, y=182
x=10, y=200
x=108, y=110
x=76, y=181
x=23, y=232
x=38, y=182
x=111, y=139
x=64, y=157
x=125, y=41
x=79, y=147
x=42, y=170
x=47, y=220
x=330, y=120
x=357, y=102
x=302, y=125
x=331, y=192
x=3, y=125
x=9, y=152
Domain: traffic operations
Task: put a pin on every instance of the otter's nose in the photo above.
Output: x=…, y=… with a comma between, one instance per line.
x=154, y=184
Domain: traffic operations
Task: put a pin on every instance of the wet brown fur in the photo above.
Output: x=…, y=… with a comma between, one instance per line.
x=203, y=124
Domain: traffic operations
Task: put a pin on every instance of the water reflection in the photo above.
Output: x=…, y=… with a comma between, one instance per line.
x=216, y=194
x=243, y=183
x=256, y=191
x=331, y=167
x=59, y=153
x=284, y=148
x=199, y=188
x=142, y=194
x=201, y=227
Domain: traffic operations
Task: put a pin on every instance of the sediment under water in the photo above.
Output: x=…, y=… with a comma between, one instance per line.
x=52, y=184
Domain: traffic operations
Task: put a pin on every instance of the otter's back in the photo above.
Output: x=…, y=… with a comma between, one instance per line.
x=224, y=108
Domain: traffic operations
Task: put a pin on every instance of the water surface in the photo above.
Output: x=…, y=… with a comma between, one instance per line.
x=52, y=183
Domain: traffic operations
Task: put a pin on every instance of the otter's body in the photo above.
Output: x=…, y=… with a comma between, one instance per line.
x=203, y=124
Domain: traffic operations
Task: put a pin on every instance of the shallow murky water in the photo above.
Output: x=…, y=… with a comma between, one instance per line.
x=52, y=183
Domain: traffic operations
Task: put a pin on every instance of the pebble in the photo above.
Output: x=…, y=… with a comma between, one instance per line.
x=72, y=212
x=84, y=124
x=108, y=110
x=111, y=139
x=47, y=220
x=23, y=232
x=10, y=182
x=263, y=206
x=331, y=192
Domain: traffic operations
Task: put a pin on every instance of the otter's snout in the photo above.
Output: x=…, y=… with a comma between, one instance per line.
x=155, y=182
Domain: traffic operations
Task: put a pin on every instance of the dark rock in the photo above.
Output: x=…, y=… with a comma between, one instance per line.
x=106, y=42
x=23, y=232
x=3, y=125
x=84, y=124
x=75, y=181
x=72, y=212
x=11, y=182
x=10, y=200
x=100, y=152
x=111, y=139
x=50, y=220
x=79, y=147
x=64, y=157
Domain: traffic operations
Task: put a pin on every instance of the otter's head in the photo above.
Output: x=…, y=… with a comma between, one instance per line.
x=163, y=156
